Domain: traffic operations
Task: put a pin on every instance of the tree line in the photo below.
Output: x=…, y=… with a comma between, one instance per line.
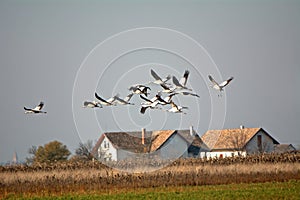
x=56, y=151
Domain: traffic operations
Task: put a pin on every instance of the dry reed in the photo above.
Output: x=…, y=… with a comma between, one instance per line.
x=91, y=177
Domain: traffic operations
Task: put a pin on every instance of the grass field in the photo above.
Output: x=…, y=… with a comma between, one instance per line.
x=270, y=190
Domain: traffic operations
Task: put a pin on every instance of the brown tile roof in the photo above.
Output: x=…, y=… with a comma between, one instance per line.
x=159, y=138
x=131, y=141
x=229, y=138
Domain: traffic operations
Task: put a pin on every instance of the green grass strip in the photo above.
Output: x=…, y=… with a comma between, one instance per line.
x=272, y=190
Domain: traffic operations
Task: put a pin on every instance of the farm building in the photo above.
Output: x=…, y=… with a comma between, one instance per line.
x=284, y=148
x=239, y=141
x=165, y=144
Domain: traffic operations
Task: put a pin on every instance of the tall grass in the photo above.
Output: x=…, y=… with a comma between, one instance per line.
x=91, y=177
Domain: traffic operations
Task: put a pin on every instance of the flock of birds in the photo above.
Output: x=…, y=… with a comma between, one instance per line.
x=161, y=99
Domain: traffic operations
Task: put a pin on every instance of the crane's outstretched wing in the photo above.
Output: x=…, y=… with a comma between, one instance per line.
x=158, y=98
x=155, y=76
x=183, y=80
x=174, y=106
x=101, y=99
x=189, y=93
x=168, y=98
x=213, y=80
x=164, y=86
x=120, y=100
x=40, y=106
x=143, y=109
x=133, y=88
x=28, y=109
x=127, y=99
x=224, y=83
x=148, y=100
x=176, y=82
x=168, y=78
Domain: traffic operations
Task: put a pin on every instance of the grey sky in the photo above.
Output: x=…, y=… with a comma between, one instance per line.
x=43, y=44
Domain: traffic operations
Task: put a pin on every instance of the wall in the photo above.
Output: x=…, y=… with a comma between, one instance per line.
x=174, y=147
x=223, y=154
x=267, y=144
x=107, y=148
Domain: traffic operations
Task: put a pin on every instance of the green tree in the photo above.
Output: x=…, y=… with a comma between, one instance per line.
x=51, y=152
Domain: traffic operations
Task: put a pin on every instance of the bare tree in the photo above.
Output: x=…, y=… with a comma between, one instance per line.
x=32, y=151
x=238, y=141
x=84, y=150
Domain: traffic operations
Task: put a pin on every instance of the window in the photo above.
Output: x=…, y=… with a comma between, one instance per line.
x=259, y=143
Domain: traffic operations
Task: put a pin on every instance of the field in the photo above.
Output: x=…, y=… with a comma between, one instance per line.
x=271, y=190
x=270, y=175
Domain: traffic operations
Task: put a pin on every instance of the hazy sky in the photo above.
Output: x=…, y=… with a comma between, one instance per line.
x=61, y=52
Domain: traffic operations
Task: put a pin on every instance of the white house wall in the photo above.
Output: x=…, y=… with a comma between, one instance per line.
x=251, y=147
x=267, y=143
x=218, y=154
x=109, y=149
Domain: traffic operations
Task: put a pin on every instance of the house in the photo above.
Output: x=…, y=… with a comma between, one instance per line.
x=166, y=144
x=121, y=145
x=239, y=141
x=177, y=143
x=284, y=148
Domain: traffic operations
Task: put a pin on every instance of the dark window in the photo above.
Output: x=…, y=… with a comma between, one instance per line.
x=259, y=143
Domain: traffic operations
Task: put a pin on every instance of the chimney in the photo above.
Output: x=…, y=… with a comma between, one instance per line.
x=192, y=131
x=143, y=135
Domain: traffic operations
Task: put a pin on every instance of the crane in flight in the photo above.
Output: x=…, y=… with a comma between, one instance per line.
x=219, y=86
x=37, y=109
x=124, y=101
x=92, y=104
x=182, y=83
x=186, y=93
x=150, y=103
x=140, y=89
x=158, y=80
x=176, y=109
x=108, y=102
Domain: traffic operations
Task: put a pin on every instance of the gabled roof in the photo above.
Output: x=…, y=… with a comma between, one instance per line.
x=283, y=148
x=231, y=138
x=194, y=140
x=159, y=138
x=132, y=141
